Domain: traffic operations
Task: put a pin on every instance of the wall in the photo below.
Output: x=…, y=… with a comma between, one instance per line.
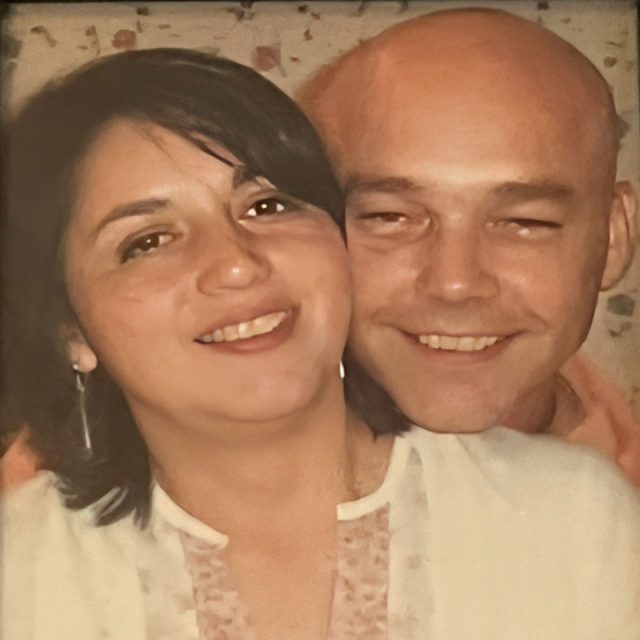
x=287, y=41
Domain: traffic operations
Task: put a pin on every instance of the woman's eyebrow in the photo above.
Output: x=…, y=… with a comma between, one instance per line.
x=242, y=174
x=135, y=208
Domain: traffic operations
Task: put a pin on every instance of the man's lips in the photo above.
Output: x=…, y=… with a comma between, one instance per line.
x=464, y=343
x=471, y=347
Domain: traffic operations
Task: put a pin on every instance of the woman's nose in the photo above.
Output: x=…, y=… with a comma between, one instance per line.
x=230, y=262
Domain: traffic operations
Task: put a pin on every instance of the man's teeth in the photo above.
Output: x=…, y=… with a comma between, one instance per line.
x=455, y=343
x=243, y=330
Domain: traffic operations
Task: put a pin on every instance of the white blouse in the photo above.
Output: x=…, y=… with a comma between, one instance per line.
x=485, y=536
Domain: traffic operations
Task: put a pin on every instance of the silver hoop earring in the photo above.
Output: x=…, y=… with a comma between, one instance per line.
x=341, y=370
x=81, y=379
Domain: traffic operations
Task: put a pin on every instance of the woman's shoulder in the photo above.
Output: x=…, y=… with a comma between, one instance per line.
x=73, y=578
x=36, y=513
x=31, y=501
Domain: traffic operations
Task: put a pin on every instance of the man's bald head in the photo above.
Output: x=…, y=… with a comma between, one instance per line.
x=468, y=57
x=478, y=151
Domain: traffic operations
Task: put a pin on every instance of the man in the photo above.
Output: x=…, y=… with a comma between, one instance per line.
x=479, y=151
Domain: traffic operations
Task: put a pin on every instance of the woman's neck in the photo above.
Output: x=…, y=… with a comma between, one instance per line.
x=234, y=475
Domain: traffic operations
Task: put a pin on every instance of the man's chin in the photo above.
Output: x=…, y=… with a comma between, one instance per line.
x=472, y=420
x=457, y=428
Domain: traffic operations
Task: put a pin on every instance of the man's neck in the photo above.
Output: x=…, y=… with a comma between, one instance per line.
x=552, y=408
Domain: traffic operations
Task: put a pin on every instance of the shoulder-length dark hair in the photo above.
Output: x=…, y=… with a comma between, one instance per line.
x=195, y=95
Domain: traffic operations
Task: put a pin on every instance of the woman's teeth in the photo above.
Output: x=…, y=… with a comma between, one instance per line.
x=244, y=330
x=455, y=343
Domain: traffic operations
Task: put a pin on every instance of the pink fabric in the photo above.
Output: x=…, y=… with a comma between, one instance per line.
x=220, y=613
x=360, y=596
x=610, y=426
x=359, y=607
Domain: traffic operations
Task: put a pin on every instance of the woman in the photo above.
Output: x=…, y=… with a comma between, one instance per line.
x=176, y=225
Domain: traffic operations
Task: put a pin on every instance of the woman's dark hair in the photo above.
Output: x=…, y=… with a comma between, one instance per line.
x=196, y=96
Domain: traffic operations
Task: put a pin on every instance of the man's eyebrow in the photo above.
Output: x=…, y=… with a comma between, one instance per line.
x=390, y=184
x=543, y=190
x=131, y=209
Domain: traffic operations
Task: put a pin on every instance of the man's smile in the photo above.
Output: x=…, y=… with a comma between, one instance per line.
x=458, y=343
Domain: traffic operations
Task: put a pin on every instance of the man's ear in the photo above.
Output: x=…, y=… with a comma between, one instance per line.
x=622, y=234
x=81, y=355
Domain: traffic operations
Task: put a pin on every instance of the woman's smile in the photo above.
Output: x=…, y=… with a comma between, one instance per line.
x=260, y=333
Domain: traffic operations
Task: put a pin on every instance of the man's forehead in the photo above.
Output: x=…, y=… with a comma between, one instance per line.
x=455, y=78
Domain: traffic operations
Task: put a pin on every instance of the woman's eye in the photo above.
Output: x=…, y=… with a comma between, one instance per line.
x=269, y=207
x=144, y=245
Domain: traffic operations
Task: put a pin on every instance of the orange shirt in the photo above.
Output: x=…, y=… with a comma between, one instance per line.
x=18, y=463
x=610, y=426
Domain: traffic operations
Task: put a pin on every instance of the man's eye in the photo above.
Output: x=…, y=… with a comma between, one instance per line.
x=269, y=207
x=383, y=216
x=527, y=226
x=144, y=245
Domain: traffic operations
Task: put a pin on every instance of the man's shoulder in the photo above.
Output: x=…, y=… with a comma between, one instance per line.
x=609, y=425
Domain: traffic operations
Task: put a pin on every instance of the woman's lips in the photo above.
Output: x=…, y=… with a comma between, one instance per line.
x=245, y=330
x=262, y=332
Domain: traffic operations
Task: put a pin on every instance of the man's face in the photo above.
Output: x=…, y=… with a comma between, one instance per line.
x=477, y=227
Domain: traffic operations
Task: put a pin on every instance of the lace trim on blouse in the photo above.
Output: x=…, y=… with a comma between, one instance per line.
x=359, y=608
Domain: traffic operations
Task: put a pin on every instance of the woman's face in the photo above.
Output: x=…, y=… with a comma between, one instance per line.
x=204, y=292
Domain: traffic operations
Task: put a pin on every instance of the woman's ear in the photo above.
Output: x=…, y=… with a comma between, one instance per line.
x=622, y=234
x=80, y=354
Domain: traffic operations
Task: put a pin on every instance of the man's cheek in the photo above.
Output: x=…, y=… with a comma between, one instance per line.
x=372, y=284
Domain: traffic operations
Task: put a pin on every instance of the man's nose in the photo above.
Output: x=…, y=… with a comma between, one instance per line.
x=230, y=260
x=456, y=266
